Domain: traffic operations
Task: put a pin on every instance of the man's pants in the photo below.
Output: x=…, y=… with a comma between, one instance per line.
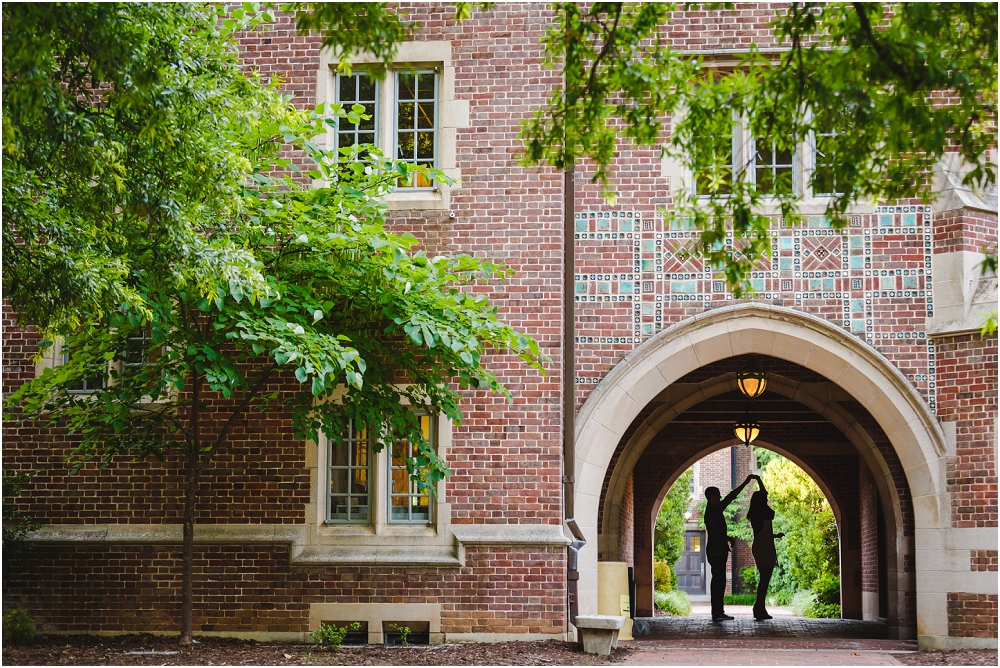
x=718, y=564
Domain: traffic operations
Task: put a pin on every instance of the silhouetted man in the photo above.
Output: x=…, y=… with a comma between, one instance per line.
x=717, y=549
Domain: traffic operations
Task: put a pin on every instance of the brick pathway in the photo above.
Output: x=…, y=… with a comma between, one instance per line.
x=783, y=641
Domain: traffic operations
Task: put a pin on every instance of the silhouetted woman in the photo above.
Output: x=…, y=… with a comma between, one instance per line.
x=764, y=555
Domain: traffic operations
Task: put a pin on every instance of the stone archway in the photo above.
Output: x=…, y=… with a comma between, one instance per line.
x=824, y=401
x=796, y=337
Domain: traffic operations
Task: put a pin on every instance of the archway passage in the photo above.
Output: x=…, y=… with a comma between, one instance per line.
x=694, y=417
x=856, y=422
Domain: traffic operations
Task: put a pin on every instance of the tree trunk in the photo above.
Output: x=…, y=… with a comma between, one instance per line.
x=190, y=496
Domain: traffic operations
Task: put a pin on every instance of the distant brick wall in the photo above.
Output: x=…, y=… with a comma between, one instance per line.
x=964, y=230
x=626, y=527
x=868, y=500
x=967, y=378
x=983, y=560
x=134, y=588
x=972, y=615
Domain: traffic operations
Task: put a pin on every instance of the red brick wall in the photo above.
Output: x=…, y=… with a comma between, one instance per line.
x=868, y=500
x=983, y=560
x=964, y=230
x=972, y=615
x=626, y=526
x=253, y=589
x=967, y=378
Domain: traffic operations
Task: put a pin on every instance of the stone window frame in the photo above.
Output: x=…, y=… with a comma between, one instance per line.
x=452, y=114
x=56, y=354
x=379, y=530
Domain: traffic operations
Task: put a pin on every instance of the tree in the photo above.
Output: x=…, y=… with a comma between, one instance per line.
x=810, y=548
x=668, y=534
x=887, y=89
x=285, y=275
x=362, y=321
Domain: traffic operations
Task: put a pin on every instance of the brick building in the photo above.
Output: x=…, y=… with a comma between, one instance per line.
x=880, y=386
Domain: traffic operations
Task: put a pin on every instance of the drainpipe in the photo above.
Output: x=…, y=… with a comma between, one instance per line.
x=569, y=396
x=734, y=475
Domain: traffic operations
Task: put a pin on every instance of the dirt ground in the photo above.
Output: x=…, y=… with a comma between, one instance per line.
x=144, y=650
x=965, y=657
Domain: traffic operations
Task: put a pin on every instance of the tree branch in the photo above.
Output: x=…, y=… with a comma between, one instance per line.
x=237, y=412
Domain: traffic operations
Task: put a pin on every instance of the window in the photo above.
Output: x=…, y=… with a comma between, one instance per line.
x=714, y=173
x=350, y=499
x=414, y=121
x=406, y=502
x=353, y=467
x=415, y=115
x=824, y=183
x=773, y=168
x=89, y=383
x=362, y=89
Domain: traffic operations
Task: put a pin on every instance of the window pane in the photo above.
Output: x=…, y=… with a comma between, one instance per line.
x=366, y=87
x=714, y=174
x=338, y=481
x=405, y=120
x=425, y=146
x=406, y=146
x=425, y=117
x=348, y=88
x=407, y=86
x=425, y=86
x=369, y=123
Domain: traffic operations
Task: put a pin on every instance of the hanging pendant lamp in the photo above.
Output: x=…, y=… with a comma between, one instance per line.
x=751, y=380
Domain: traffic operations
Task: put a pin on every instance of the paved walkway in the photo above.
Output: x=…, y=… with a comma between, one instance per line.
x=785, y=640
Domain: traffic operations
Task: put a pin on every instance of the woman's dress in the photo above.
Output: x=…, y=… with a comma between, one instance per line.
x=764, y=554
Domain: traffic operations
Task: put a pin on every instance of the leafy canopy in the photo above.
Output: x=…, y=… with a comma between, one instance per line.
x=122, y=124
x=357, y=315
x=893, y=86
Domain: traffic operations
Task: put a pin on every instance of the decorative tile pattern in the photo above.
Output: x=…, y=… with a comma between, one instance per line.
x=873, y=278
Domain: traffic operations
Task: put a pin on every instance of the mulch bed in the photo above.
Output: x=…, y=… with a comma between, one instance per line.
x=959, y=657
x=145, y=650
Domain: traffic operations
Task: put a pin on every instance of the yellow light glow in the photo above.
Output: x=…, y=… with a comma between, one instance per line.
x=746, y=432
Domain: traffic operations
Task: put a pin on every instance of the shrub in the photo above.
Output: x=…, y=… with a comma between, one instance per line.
x=330, y=637
x=781, y=598
x=801, y=602
x=823, y=611
x=661, y=577
x=675, y=602
x=750, y=578
x=827, y=589
x=740, y=599
x=18, y=628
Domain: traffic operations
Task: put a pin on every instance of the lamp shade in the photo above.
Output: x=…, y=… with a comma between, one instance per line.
x=746, y=431
x=751, y=380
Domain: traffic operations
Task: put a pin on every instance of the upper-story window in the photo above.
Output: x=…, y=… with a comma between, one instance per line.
x=824, y=183
x=358, y=88
x=350, y=495
x=407, y=503
x=416, y=121
x=412, y=96
x=773, y=168
x=716, y=167
x=89, y=383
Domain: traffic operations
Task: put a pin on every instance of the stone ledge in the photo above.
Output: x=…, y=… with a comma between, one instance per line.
x=352, y=550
